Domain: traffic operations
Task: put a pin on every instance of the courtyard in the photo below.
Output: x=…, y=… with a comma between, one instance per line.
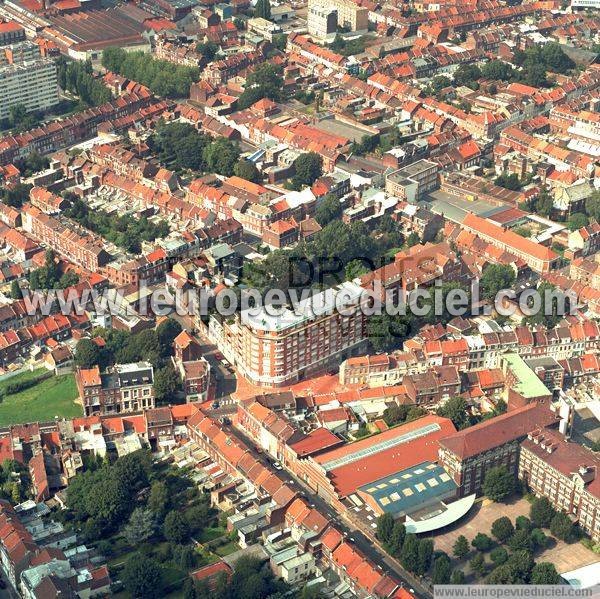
x=565, y=556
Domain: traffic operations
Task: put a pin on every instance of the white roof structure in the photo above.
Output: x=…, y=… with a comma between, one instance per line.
x=584, y=578
x=453, y=512
x=272, y=319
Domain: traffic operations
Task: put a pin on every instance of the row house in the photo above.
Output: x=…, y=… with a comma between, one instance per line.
x=221, y=71
x=431, y=388
x=72, y=129
x=82, y=248
x=46, y=201
x=124, y=388
x=539, y=258
x=417, y=267
x=585, y=241
x=586, y=271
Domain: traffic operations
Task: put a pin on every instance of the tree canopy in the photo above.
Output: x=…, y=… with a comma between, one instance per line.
x=499, y=483
x=265, y=81
x=308, y=168
x=162, y=77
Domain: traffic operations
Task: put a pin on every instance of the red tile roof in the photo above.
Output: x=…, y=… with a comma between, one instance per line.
x=499, y=430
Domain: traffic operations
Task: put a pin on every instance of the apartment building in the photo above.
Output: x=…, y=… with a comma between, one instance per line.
x=123, y=388
x=71, y=242
x=26, y=79
x=413, y=181
x=322, y=20
x=11, y=32
x=566, y=473
x=276, y=350
x=349, y=14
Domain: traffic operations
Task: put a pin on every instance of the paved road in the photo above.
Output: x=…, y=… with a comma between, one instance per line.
x=363, y=538
x=226, y=380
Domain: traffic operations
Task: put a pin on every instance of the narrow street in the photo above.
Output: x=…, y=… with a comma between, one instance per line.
x=358, y=533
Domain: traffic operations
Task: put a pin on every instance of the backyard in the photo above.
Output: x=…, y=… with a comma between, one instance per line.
x=42, y=402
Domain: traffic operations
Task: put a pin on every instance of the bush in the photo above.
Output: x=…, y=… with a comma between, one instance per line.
x=17, y=387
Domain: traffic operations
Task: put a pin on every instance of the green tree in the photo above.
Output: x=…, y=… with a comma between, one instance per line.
x=395, y=414
x=562, y=527
x=508, y=181
x=539, y=539
x=409, y=556
x=503, y=574
x=15, y=290
x=541, y=512
x=158, y=500
x=498, y=70
x=167, y=330
x=308, y=168
x=208, y=50
x=263, y=9
x=413, y=239
x=397, y=538
x=142, y=577
x=247, y=170
x=265, y=81
x=482, y=542
x=477, y=564
x=457, y=410
x=503, y=529
x=425, y=555
x=458, y=577
x=521, y=541
x=461, y=547
x=385, y=526
x=166, y=384
x=545, y=573
x=499, y=555
x=176, y=528
x=17, y=195
x=140, y=526
x=496, y=277
x=355, y=269
x=87, y=353
x=499, y=483
x=189, y=589
x=442, y=570
x=328, y=210
x=467, y=74
x=576, y=221
x=221, y=156
x=522, y=522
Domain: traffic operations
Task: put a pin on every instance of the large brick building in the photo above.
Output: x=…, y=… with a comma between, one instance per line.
x=278, y=350
x=468, y=454
x=566, y=473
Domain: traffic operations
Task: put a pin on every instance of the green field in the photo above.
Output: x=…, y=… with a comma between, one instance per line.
x=52, y=397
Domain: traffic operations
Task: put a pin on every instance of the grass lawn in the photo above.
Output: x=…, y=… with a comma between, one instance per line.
x=226, y=549
x=392, y=252
x=52, y=397
x=211, y=533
